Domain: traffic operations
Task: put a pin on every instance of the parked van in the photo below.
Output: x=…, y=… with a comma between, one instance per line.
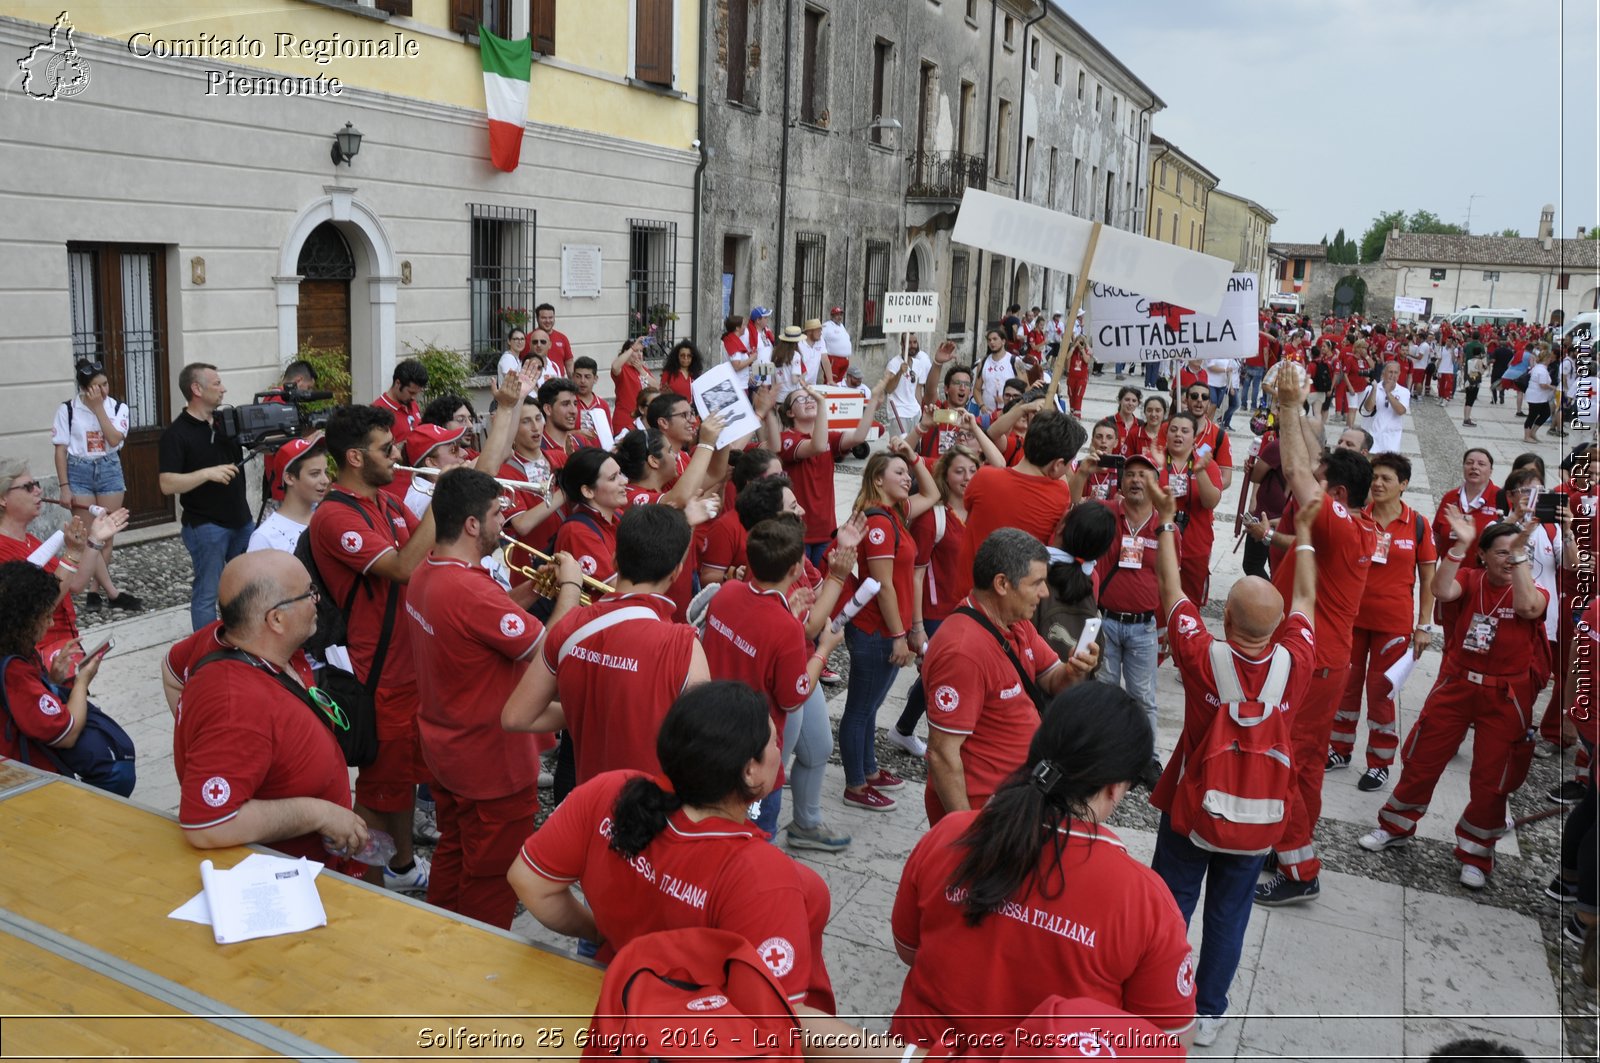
x=1283, y=303
x=1581, y=328
x=1477, y=315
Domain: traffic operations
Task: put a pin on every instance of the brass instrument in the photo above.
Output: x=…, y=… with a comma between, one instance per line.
x=523, y=486
x=544, y=577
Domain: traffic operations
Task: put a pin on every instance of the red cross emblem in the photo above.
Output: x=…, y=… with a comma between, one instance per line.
x=946, y=699
x=778, y=955
x=215, y=791
x=1172, y=312
x=833, y=408
x=351, y=541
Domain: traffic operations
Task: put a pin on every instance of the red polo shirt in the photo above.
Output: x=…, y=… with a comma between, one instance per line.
x=1389, y=603
x=1481, y=509
x=345, y=548
x=812, y=481
x=472, y=644
x=619, y=665
x=592, y=541
x=560, y=353
x=406, y=420
x=1007, y=498
x=974, y=691
x=1114, y=934
x=887, y=538
x=64, y=620
x=239, y=737
x=714, y=873
x=1515, y=642
x=38, y=713
x=940, y=562
x=1132, y=556
x=1344, y=542
x=723, y=545
x=190, y=650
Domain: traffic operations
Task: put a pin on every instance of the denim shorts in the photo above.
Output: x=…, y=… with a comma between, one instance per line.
x=96, y=476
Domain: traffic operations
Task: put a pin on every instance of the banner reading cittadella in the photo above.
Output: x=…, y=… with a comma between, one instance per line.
x=1128, y=327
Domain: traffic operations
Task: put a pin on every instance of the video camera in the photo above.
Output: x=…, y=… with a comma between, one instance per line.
x=274, y=418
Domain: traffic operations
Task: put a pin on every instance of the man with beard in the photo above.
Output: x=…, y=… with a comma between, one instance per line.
x=472, y=644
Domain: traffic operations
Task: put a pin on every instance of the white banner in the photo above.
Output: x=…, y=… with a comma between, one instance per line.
x=910, y=311
x=1121, y=259
x=1127, y=327
x=1410, y=304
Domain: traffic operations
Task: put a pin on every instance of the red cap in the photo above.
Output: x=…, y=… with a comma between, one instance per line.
x=836, y=310
x=1081, y=1027
x=427, y=438
x=287, y=455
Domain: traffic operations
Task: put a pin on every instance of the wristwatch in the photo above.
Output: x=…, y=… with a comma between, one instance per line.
x=1169, y=526
x=1519, y=559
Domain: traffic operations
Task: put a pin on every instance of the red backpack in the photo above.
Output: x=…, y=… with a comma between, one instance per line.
x=691, y=994
x=1233, y=787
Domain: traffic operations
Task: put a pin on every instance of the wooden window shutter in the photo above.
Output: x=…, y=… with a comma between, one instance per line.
x=395, y=7
x=652, y=49
x=544, y=26
x=464, y=16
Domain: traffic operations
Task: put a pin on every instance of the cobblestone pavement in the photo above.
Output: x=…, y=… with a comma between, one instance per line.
x=1393, y=959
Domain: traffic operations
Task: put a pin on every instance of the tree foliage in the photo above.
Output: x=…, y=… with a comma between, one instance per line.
x=1418, y=221
x=1343, y=251
x=1510, y=232
x=1593, y=233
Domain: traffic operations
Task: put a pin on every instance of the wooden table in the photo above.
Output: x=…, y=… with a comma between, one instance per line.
x=91, y=965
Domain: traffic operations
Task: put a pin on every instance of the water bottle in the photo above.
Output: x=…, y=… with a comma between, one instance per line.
x=378, y=851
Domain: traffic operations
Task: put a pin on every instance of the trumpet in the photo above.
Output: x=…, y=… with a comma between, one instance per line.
x=521, y=486
x=544, y=577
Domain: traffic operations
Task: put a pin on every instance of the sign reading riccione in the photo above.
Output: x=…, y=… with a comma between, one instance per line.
x=910, y=311
x=1128, y=327
x=1121, y=259
x=1410, y=304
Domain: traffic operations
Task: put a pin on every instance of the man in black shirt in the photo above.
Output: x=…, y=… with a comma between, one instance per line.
x=203, y=469
x=1500, y=355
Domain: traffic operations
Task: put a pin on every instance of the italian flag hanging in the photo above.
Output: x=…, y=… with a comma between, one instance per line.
x=506, y=69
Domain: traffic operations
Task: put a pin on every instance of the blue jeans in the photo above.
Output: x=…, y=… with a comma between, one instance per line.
x=96, y=476
x=1219, y=395
x=1152, y=374
x=871, y=676
x=814, y=552
x=1128, y=660
x=808, y=738
x=916, y=699
x=210, y=546
x=1250, y=386
x=1233, y=404
x=1230, y=883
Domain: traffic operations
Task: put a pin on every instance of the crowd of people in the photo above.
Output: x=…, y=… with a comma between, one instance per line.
x=611, y=600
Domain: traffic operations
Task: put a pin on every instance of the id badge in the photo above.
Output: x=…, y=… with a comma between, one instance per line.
x=1480, y=633
x=94, y=442
x=1132, y=553
x=1102, y=490
x=1178, y=485
x=1380, y=553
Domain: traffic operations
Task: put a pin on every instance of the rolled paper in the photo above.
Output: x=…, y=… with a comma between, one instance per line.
x=864, y=594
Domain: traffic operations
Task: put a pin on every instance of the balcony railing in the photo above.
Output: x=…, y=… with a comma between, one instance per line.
x=944, y=174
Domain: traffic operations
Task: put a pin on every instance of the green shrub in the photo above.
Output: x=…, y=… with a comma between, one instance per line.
x=332, y=365
x=448, y=370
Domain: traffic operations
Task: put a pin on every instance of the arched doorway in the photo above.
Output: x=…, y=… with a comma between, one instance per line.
x=1020, y=286
x=913, y=273
x=326, y=267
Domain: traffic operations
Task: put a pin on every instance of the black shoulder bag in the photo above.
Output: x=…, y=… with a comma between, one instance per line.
x=353, y=720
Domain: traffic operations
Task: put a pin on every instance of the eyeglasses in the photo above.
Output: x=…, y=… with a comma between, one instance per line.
x=330, y=708
x=26, y=485
x=387, y=448
x=540, y=343
x=314, y=594
x=1198, y=395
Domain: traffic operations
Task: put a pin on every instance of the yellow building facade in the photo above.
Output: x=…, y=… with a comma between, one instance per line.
x=171, y=194
x=1239, y=229
x=1180, y=189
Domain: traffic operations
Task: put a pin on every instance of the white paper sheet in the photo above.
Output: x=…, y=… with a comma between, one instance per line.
x=601, y=424
x=1399, y=672
x=196, y=910
x=262, y=896
x=717, y=390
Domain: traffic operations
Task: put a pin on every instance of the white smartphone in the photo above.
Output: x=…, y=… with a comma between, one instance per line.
x=101, y=650
x=1091, y=632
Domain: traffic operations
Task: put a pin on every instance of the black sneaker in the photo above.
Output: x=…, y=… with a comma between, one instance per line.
x=1568, y=793
x=92, y=599
x=1269, y=865
x=1560, y=889
x=127, y=602
x=1573, y=930
x=1372, y=779
x=1337, y=760
x=1281, y=890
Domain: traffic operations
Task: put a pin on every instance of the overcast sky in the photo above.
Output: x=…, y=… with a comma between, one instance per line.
x=1330, y=113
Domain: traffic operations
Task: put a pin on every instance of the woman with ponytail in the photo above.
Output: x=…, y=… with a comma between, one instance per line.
x=678, y=850
x=1034, y=895
x=1074, y=581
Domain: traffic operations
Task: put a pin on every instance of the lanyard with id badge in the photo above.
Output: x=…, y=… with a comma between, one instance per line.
x=1479, y=636
x=1380, y=553
x=1131, y=555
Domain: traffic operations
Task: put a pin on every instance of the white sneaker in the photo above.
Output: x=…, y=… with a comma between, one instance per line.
x=1380, y=839
x=910, y=743
x=1473, y=878
x=413, y=881
x=1206, y=1029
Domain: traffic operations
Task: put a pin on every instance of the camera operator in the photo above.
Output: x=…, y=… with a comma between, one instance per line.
x=203, y=470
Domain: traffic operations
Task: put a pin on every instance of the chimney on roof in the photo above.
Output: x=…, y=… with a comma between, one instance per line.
x=1547, y=222
x=1583, y=230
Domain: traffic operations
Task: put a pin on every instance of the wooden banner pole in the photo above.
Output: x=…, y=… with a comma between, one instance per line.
x=1058, y=371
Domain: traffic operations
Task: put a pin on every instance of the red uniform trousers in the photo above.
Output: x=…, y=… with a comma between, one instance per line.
x=1501, y=718
x=1447, y=386
x=1371, y=654
x=478, y=842
x=1555, y=713
x=1309, y=727
x=389, y=784
x=1077, y=384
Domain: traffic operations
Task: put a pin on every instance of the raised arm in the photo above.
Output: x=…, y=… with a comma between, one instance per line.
x=1299, y=468
x=1166, y=541
x=1305, y=560
x=508, y=398
x=858, y=435
x=1445, y=587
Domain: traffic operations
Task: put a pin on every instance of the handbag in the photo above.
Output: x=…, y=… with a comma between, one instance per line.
x=103, y=755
